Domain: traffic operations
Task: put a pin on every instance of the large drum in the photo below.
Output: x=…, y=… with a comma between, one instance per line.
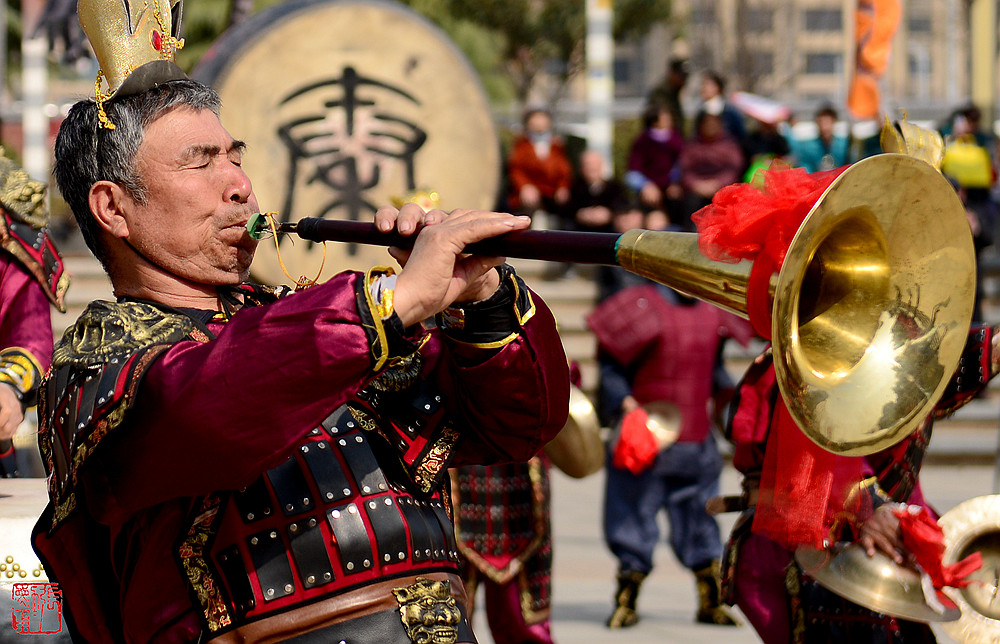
x=345, y=104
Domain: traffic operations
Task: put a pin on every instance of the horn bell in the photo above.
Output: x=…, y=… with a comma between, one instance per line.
x=871, y=307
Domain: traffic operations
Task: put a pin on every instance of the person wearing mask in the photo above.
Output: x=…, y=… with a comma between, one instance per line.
x=538, y=169
x=653, y=172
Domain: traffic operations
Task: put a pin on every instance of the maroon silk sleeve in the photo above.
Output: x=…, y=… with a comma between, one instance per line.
x=518, y=399
x=25, y=320
x=211, y=416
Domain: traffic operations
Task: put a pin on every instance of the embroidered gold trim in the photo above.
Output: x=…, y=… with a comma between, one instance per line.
x=193, y=556
x=434, y=461
x=381, y=352
x=20, y=369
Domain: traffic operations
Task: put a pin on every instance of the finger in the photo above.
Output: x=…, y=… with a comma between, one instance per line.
x=434, y=216
x=410, y=219
x=401, y=255
x=889, y=548
x=385, y=218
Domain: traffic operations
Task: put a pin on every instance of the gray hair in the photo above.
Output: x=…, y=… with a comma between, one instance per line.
x=86, y=152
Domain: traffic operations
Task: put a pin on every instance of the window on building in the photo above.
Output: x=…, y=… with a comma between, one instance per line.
x=702, y=16
x=622, y=70
x=823, y=63
x=824, y=20
x=759, y=20
x=919, y=24
x=763, y=62
x=920, y=65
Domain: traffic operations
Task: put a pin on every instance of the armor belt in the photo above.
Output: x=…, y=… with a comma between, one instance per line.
x=373, y=614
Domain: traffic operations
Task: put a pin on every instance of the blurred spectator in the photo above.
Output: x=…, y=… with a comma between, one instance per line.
x=595, y=198
x=827, y=150
x=611, y=279
x=711, y=160
x=713, y=101
x=667, y=93
x=653, y=173
x=969, y=166
x=594, y=201
x=764, y=144
x=538, y=169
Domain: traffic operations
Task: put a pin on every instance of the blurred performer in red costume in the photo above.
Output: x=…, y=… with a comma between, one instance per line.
x=658, y=347
x=31, y=279
x=794, y=492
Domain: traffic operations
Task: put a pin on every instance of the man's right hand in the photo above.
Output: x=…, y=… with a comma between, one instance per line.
x=11, y=412
x=881, y=532
x=437, y=272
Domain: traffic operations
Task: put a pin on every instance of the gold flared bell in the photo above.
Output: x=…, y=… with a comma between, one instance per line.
x=871, y=308
x=877, y=582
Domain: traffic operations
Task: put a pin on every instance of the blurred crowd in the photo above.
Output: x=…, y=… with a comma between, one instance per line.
x=682, y=156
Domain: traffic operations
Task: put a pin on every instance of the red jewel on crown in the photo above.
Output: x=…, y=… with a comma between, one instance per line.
x=157, y=40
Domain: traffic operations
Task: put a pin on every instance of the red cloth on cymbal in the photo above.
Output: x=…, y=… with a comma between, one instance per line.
x=636, y=448
x=924, y=538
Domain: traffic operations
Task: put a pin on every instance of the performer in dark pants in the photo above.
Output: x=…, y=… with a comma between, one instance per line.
x=657, y=346
x=232, y=462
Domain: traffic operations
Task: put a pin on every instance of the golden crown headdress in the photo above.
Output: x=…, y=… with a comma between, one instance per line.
x=135, y=43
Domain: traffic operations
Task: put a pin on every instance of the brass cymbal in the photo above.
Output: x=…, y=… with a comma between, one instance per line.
x=876, y=582
x=578, y=449
x=664, y=422
x=974, y=526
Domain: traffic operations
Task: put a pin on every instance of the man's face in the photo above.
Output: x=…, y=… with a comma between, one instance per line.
x=825, y=123
x=193, y=223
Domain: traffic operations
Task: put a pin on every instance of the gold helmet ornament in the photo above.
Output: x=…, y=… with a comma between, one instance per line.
x=135, y=43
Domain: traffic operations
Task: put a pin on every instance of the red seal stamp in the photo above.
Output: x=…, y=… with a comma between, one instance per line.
x=37, y=608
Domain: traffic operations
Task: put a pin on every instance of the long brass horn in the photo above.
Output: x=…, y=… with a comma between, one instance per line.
x=871, y=307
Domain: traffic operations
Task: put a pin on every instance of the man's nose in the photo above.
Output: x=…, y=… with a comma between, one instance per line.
x=240, y=187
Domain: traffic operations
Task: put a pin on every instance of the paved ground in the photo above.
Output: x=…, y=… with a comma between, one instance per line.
x=584, y=570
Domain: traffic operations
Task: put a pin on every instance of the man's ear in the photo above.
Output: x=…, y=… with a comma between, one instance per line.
x=106, y=200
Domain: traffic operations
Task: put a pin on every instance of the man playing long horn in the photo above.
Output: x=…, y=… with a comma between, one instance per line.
x=228, y=463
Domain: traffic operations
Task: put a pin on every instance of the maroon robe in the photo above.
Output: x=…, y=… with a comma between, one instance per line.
x=208, y=419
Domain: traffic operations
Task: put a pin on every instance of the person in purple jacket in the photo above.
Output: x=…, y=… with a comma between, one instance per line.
x=653, y=173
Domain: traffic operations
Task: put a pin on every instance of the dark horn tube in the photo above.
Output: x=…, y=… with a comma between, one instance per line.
x=550, y=245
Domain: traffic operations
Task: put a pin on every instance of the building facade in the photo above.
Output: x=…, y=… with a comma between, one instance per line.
x=801, y=52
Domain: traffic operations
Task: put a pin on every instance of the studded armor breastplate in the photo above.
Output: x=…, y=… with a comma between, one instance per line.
x=328, y=519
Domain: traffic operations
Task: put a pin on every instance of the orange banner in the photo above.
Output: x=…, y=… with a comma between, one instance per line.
x=875, y=24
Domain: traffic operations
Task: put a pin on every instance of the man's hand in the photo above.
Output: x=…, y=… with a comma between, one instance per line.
x=437, y=272
x=881, y=532
x=530, y=197
x=11, y=413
